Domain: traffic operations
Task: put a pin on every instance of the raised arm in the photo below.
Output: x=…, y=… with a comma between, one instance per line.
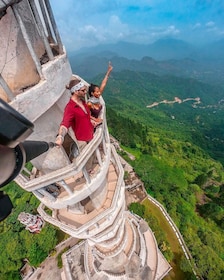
x=104, y=81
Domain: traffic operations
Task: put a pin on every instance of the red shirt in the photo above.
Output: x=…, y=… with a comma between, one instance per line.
x=78, y=120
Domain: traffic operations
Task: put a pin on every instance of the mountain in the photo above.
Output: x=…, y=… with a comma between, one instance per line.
x=165, y=56
x=209, y=71
x=213, y=51
x=175, y=126
x=185, y=108
x=124, y=49
x=162, y=49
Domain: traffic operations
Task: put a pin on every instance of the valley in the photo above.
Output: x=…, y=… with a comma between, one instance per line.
x=177, y=158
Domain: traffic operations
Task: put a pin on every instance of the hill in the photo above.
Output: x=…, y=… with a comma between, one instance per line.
x=173, y=57
x=167, y=48
x=162, y=49
x=174, y=127
x=187, y=109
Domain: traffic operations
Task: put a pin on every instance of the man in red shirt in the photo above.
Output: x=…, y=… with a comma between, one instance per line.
x=77, y=116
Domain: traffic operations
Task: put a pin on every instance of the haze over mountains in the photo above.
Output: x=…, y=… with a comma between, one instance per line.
x=162, y=49
x=165, y=56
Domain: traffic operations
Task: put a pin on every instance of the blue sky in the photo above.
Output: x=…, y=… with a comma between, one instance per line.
x=86, y=23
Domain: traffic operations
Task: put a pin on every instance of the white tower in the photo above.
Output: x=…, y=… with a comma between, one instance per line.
x=34, y=72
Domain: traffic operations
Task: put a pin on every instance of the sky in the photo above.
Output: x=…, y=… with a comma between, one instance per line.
x=87, y=23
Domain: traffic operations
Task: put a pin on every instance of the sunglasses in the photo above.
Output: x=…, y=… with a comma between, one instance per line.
x=83, y=90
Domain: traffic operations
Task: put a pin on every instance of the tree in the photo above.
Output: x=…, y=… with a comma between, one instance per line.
x=36, y=254
x=137, y=208
x=186, y=267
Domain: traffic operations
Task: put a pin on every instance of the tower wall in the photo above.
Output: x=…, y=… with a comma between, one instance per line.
x=16, y=63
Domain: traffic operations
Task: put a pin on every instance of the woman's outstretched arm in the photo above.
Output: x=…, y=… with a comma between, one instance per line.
x=104, y=81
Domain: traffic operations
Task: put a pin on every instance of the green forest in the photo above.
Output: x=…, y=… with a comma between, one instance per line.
x=179, y=154
x=18, y=244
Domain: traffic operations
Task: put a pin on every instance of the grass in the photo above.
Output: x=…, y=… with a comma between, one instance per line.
x=59, y=257
x=176, y=273
x=61, y=236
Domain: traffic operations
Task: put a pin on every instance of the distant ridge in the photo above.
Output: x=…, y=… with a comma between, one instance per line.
x=167, y=48
x=165, y=56
x=163, y=49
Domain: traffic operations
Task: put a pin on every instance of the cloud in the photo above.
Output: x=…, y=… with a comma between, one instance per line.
x=162, y=32
x=196, y=26
x=211, y=27
x=93, y=34
x=117, y=28
x=210, y=24
x=85, y=23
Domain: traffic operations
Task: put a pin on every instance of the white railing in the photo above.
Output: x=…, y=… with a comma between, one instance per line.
x=83, y=231
x=38, y=185
x=72, y=169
